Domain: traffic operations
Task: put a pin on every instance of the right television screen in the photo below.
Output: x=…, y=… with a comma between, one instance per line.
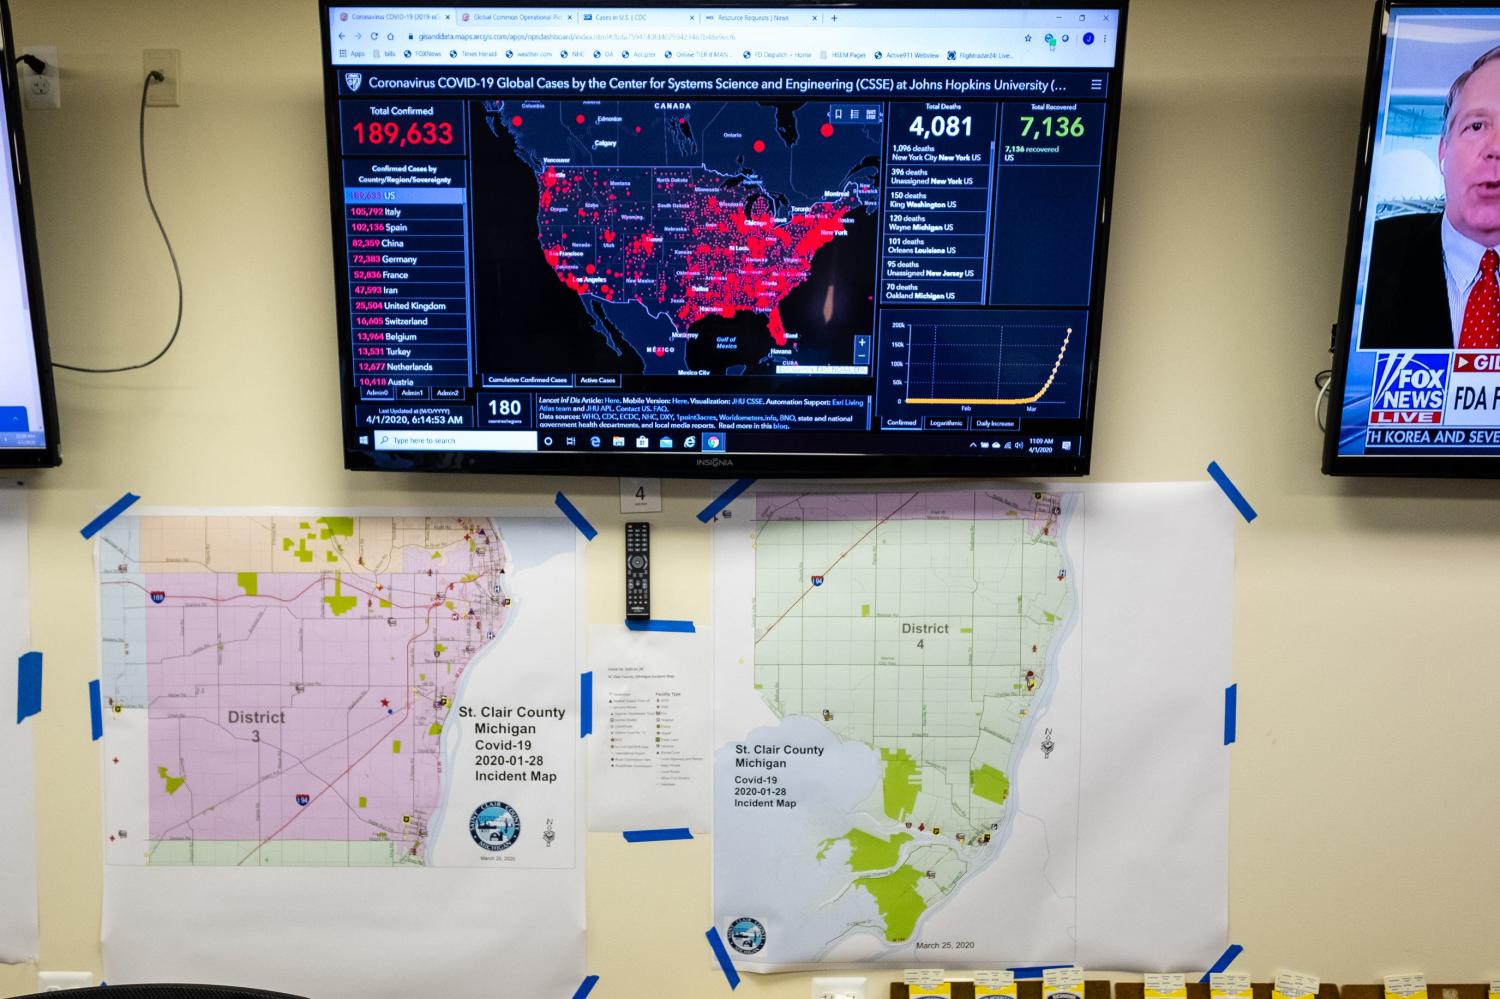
x=1416, y=380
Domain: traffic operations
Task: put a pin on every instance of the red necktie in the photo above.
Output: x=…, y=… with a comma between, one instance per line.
x=1481, y=329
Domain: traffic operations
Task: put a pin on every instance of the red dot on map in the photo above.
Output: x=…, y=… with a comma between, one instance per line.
x=638, y=130
x=516, y=121
x=759, y=146
x=827, y=130
x=579, y=119
x=589, y=268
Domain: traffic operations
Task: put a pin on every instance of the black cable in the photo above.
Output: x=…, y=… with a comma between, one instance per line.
x=33, y=63
x=151, y=77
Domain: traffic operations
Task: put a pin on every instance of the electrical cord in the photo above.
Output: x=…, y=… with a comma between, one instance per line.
x=151, y=77
x=1321, y=380
x=32, y=63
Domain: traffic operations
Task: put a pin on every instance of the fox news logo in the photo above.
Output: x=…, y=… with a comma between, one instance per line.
x=1409, y=388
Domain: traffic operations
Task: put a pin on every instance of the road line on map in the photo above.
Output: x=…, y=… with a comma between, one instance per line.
x=836, y=561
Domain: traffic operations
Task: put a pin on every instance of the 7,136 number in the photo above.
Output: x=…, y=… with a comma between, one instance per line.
x=1059, y=126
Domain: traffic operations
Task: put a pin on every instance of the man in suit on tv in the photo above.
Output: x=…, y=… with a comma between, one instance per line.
x=1432, y=283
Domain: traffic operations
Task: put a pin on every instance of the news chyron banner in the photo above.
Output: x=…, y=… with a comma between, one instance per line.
x=1423, y=369
x=1426, y=399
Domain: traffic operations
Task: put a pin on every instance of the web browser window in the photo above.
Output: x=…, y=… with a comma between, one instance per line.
x=574, y=238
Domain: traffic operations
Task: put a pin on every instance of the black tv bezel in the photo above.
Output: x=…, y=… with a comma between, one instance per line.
x=50, y=454
x=694, y=465
x=1438, y=467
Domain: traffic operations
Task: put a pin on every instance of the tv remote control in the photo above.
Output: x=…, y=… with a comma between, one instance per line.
x=637, y=571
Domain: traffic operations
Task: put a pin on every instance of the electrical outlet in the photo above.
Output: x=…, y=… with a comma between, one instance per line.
x=57, y=981
x=167, y=62
x=42, y=90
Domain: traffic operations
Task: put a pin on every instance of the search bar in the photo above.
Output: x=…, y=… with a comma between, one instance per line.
x=455, y=440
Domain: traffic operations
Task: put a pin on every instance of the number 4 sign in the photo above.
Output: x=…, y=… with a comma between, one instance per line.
x=640, y=495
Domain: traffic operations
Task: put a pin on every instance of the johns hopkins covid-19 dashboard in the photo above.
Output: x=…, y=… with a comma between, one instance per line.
x=720, y=230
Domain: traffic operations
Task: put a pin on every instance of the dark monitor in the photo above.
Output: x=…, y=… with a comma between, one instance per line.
x=863, y=239
x=28, y=411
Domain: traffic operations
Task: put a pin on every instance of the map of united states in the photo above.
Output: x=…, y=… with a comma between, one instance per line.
x=296, y=675
x=664, y=214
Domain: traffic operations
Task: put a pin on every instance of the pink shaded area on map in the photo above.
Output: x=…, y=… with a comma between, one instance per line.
x=255, y=700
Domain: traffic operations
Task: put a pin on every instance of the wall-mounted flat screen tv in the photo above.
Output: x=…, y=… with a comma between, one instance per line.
x=863, y=239
x=28, y=413
x=1416, y=382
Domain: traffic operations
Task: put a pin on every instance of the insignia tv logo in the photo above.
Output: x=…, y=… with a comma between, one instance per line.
x=1409, y=389
x=495, y=826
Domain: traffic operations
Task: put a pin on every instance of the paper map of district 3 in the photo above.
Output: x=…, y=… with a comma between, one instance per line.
x=905, y=765
x=339, y=691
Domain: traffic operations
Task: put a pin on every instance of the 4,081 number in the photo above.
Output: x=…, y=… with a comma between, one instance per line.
x=941, y=125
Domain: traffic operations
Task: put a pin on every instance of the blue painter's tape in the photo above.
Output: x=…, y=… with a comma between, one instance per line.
x=586, y=987
x=730, y=975
x=1225, y=960
x=1036, y=972
x=727, y=497
x=585, y=703
x=655, y=625
x=96, y=710
x=28, y=686
x=102, y=521
x=656, y=835
x=1235, y=496
x=1231, y=711
x=576, y=516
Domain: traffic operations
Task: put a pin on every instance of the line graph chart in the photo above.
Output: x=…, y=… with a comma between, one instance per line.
x=991, y=359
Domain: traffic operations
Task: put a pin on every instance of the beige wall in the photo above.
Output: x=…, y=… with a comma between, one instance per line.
x=1365, y=781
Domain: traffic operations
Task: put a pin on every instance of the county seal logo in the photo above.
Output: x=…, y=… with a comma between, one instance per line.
x=495, y=826
x=747, y=935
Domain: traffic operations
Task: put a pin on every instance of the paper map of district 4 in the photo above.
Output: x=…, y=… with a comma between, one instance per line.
x=339, y=691
x=905, y=769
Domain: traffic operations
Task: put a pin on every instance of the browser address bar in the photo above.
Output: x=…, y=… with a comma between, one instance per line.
x=578, y=36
